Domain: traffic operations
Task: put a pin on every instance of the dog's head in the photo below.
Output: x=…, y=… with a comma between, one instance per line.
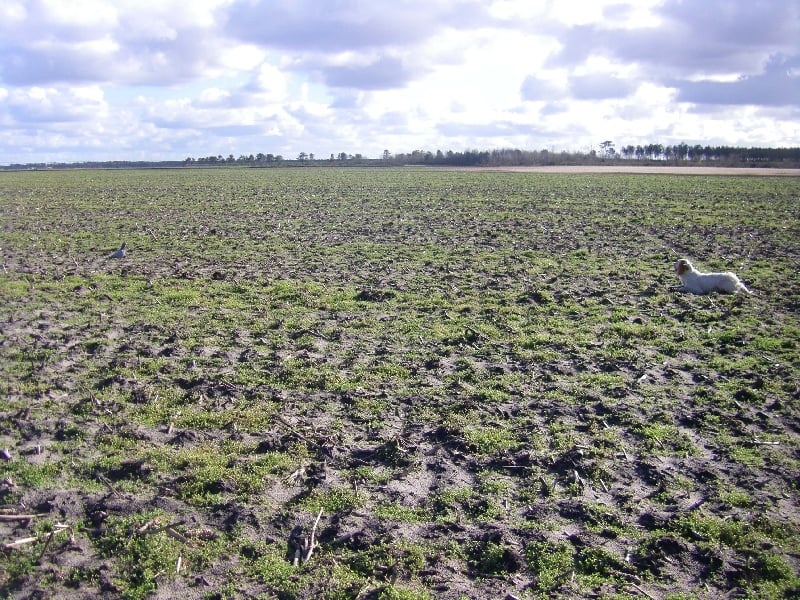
x=683, y=266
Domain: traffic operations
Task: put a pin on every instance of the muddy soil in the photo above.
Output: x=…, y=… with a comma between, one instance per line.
x=659, y=457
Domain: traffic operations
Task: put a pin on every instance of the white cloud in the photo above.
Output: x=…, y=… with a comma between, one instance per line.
x=78, y=14
x=518, y=9
x=213, y=97
x=40, y=105
x=167, y=78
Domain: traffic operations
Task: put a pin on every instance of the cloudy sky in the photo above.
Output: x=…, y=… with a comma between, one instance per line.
x=166, y=79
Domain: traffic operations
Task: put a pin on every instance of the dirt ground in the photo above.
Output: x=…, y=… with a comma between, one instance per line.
x=754, y=171
x=652, y=439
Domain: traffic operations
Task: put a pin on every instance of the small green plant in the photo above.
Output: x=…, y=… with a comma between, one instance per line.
x=600, y=564
x=394, y=592
x=333, y=500
x=139, y=558
x=400, y=512
x=551, y=563
x=488, y=440
x=492, y=558
x=268, y=564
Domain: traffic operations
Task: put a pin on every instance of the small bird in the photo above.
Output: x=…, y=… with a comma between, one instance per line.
x=119, y=253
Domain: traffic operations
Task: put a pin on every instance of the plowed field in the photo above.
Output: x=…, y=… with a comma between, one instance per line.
x=397, y=383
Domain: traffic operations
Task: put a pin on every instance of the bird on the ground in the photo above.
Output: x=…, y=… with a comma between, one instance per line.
x=119, y=253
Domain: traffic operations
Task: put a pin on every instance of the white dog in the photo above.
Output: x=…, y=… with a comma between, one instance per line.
x=703, y=283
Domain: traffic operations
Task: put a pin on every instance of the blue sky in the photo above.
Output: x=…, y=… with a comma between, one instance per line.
x=162, y=79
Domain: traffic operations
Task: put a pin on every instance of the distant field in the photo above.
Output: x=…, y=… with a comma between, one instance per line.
x=656, y=170
x=457, y=384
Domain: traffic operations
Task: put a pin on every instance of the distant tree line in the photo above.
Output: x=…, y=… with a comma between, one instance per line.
x=95, y=164
x=262, y=159
x=696, y=153
x=606, y=153
x=230, y=160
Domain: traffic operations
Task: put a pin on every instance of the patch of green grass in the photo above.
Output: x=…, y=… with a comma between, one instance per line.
x=366, y=570
x=664, y=438
x=561, y=436
x=399, y=592
x=23, y=561
x=28, y=475
x=551, y=564
x=490, y=439
x=209, y=472
x=491, y=558
x=399, y=512
x=768, y=575
x=406, y=557
x=370, y=475
x=454, y=504
x=139, y=558
x=762, y=568
x=741, y=451
x=598, y=565
x=331, y=501
x=268, y=564
x=738, y=499
x=491, y=394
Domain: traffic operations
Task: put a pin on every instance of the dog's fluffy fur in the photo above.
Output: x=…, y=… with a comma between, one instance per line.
x=703, y=283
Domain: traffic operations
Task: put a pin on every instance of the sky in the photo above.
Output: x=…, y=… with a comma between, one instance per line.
x=85, y=80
